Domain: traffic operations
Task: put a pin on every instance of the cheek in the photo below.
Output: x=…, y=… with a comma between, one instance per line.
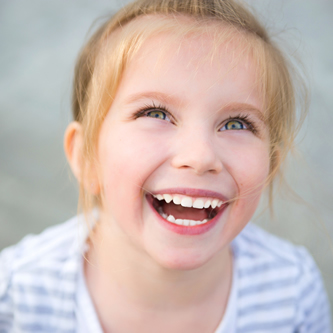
x=250, y=174
x=129, y=158
x=253, y=177
x=250, y=168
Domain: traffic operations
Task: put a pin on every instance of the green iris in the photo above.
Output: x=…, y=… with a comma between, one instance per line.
x=234, y=125
x=156, y=114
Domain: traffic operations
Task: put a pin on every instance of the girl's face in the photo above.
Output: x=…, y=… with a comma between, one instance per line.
x=185, y=128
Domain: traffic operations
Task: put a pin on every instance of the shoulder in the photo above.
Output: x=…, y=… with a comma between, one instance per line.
x=257, y=246
x=37, y=275
x=280, y=281
x=37, y=251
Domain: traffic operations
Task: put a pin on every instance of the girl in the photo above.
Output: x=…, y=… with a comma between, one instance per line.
x=183, y=114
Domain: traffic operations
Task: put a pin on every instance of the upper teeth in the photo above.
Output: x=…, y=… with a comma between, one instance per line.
x=186, y=201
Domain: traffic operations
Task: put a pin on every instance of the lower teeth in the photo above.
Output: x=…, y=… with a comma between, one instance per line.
x=184, y=222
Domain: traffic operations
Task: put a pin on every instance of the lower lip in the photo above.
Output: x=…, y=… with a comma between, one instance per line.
x=188, y=230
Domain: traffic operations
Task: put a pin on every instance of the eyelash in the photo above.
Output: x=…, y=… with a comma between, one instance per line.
x=244, y=119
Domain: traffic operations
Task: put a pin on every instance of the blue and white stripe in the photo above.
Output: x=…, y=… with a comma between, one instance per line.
x=279, y=288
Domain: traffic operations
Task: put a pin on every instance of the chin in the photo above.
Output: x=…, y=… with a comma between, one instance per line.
x=182, y=259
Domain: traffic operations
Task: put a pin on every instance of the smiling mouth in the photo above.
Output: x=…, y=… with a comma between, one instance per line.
x=184, y=210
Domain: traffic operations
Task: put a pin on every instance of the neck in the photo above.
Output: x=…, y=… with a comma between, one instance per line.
x=118, y=269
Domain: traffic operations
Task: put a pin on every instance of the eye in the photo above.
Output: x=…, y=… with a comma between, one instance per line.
x=154, y=111
x=156, y=114
x=234, y=125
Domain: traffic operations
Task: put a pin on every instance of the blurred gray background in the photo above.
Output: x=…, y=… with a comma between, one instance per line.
x=39, y=41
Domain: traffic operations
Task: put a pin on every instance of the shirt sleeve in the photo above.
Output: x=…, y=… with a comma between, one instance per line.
x=313, y=313
x=6, y=304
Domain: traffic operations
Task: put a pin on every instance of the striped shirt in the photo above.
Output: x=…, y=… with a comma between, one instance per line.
x=276, y=287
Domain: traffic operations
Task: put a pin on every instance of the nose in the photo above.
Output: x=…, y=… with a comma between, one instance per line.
x=197, y=151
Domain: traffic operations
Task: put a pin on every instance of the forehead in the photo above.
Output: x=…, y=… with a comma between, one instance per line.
x=204, y=41
x=193, y=51
x=201, y=61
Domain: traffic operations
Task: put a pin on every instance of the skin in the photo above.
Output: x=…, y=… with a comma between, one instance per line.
x=138, y=269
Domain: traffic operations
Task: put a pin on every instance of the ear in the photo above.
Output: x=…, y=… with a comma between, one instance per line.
x=73, y=145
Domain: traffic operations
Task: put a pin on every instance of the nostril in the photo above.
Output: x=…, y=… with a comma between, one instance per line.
x=200, y=155
x=200, y=165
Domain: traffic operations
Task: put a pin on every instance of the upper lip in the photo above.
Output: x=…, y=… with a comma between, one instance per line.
x=192, y=192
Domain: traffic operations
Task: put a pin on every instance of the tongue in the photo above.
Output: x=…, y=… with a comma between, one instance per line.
x=185, y=213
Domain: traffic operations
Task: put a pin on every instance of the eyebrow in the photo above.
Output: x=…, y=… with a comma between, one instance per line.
x=174, y=100
x=162, y=97
x=244, y=107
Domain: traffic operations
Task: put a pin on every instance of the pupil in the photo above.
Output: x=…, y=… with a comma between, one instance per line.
x=234, y=125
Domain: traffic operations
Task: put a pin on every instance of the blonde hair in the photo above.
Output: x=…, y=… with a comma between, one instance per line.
x=104, y=57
